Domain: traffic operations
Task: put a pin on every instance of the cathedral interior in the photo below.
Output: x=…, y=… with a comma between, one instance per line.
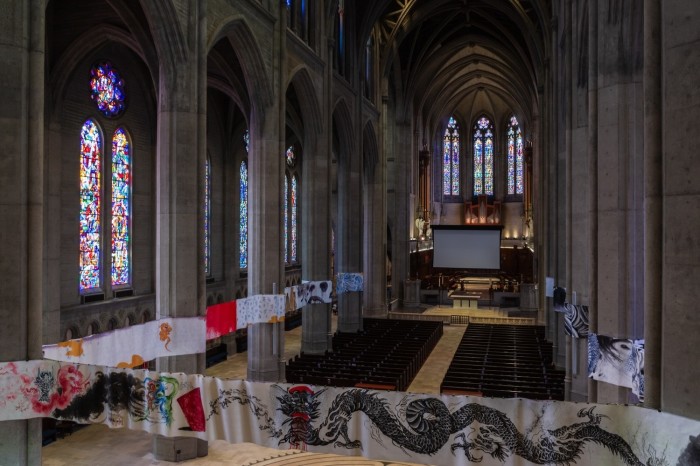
x=165, y=156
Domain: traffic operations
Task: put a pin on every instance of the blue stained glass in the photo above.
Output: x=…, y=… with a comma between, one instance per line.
x=511, y=161
x=207, y=218
x=286, y=220
x=483, y=157
x=121, y=207
x=519, y=184
x=294, y=219
x=478, y=166
x=90, y=205
x=246, y=140
x=450, y=162
x=107, y=89
x=243, y=219
x=515, y=157
x=488, y=164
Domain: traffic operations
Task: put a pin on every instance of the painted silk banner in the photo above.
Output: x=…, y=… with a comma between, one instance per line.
x=618, y=361
x=347, y=282
x=132, y=346
x=575, y=319
x=382, y=425
x=575, y=315
x=262, y=308
x=312, y=292
x=221, y=319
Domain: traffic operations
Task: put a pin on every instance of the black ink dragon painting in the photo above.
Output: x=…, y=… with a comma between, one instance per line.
x=426, y=425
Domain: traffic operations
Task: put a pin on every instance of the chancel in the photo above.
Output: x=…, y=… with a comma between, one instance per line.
x=287, y=232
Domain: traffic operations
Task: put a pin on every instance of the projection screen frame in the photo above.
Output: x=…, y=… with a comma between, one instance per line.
x=447, y=261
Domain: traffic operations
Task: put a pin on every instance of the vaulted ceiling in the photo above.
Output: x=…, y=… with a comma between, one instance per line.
x=461, y=56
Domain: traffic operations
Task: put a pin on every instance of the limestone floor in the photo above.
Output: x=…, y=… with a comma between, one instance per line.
x=99, y=445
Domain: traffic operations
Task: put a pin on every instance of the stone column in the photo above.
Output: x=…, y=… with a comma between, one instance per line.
x=265, y=233
x=180, y=169
x=22, y=31
x=617, y=136
x=315, y=230
x=401, y=170
x=680, y=113
x=375, y=235
x=349, y=237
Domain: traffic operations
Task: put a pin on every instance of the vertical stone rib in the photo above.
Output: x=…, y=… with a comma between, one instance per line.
x=653, y=207
x=593, y=174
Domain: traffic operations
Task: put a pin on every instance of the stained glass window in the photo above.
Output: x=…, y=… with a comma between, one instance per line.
x=290, y=157
x=107, y=89
x=90, y=191
x=293, y=202
x=515, y=157
x=121, y=207
x=207, y=217
x=483, y=157
x=246, y=140
x=450, y=163
x=243, y=219
x=286, y=219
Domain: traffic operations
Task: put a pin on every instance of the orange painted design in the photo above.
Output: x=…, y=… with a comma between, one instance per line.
x=136, y=360
x=75, y=347
x=165, y=330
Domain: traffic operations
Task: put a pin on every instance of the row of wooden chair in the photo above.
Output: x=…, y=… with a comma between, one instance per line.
x=504, y=361
x=387, y=355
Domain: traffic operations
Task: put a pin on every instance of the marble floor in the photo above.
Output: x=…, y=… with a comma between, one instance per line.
x=99, y=445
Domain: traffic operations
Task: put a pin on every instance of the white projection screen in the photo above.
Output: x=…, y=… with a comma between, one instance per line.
x=466, y=247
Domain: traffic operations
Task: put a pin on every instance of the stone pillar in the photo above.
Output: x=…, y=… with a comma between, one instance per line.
x=375, y=230
x=22, y=32
x=617, y=136
x=315, y=230
x=349, y=238
x=265, y=233
x=680, y=43
x=400, y=169
x=180, y=169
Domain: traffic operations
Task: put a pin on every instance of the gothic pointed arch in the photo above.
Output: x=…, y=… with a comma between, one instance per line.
x=309, y=106
x=255, y=73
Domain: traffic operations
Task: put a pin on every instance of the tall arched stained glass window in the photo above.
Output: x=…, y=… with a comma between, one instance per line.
x=286, y=219
x=450, y=161
x=483, y=157
x=121, y=207
x=243, y=218
x=293, y=202
x=515, y=157
x=207, y=217
x=246, y=140
x=90, y=205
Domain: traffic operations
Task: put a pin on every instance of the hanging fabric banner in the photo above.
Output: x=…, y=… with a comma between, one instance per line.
x=618, y=361
x=132, y=346
x=312, y=292
x=454, y=430
x=575, y=315
x=347, y=282
x=221, y=319
x=575, y=319
x=262, y=308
